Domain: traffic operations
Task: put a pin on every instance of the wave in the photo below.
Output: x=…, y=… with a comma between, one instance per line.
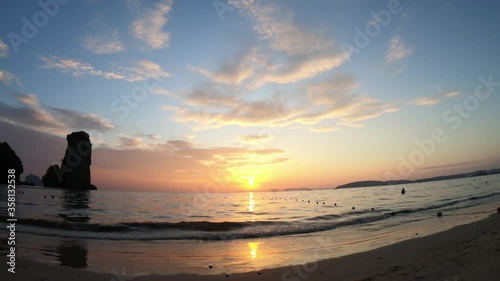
x=76, y=225
x=443, y=205
x=138, y=226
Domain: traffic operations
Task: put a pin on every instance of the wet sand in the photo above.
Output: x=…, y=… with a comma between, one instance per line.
x=467, y=252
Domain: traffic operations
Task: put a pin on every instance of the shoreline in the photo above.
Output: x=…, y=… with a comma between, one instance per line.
x=465, y=252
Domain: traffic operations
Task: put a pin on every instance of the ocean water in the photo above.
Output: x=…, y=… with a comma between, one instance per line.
x=169, y=233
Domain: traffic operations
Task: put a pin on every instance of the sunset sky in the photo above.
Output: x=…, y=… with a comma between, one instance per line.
x=216, y=95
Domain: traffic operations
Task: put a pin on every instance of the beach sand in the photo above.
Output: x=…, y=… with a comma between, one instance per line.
x=467, y=252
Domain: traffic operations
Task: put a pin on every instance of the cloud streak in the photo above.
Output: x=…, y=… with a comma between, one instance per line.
x=30, y=113
x=232, y=71
x=397, y=50
x=289, y=53
x=254, y=139
x=149, y=25
x=333, y=99
x=140, y=71
x=435, y=99
x=8, y=78
x=104, y=44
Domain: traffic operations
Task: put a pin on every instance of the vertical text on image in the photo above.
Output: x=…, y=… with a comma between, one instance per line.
x=11, y=220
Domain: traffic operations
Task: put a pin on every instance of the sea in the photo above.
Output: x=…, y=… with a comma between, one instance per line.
x=136, y=233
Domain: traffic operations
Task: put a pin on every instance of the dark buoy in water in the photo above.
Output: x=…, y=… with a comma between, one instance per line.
x=308, y=201
x=317, y=202
x=335, y=204
x=210, y=267
x=403, y=191
x=353, y=208
x=373, y=209
x=323, y=203
x=45, y=196
x=52, y=196
x=439, y=214
x=486, y=182
x=498, y=209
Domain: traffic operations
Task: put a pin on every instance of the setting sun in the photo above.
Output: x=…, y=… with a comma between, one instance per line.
x=251, y=181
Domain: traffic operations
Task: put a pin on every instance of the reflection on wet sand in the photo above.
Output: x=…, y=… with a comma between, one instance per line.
x=73, y=254
x=254, y=249
x=75, y=205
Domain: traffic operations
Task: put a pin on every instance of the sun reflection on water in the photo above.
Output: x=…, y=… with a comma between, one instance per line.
x=254, y=249
x=251, y=203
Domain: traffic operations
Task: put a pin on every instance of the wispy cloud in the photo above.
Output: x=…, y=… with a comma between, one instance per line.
x=331, y=99
x=30, y=113
x=75, y=67
x=149, y=25
x=324, y=129
x=161, y=92
x=234, y=70
x=131, y=142
x=149, y=136
x=8, y=78
x=293, y=53
x=104, y=43
x=141, y=70
x=4, y=49
x=297, y=69
x=145, y=69
x=254, y=139
x=435, y=99
x=397, y=50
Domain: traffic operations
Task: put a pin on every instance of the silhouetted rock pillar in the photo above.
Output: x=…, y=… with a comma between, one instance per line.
x=77, y=160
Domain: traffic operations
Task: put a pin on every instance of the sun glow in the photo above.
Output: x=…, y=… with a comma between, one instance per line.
x=251, y=181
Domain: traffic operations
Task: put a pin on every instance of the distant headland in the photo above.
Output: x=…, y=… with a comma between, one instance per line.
x=440, y=178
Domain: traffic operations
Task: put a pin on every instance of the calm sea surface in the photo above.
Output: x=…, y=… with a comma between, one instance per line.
x=138, y=232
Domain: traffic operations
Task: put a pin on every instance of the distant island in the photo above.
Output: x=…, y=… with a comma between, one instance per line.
x=440, y=178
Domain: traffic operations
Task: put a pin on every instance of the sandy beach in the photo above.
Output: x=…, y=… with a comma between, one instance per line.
x=467, y=252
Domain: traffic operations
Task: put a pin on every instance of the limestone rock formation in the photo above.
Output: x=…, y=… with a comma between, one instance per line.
x=77, y=161
x=74, y=172
x=51, y=178
x=33, y=180
x=9, y=160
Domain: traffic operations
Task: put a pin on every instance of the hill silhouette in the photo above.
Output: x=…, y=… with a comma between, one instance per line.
x=9, y=160
x=439, y=178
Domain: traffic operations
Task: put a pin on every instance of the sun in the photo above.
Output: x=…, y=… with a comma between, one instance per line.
x=251, y=181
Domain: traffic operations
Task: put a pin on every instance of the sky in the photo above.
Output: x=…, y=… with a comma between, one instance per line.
x=192, y=96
